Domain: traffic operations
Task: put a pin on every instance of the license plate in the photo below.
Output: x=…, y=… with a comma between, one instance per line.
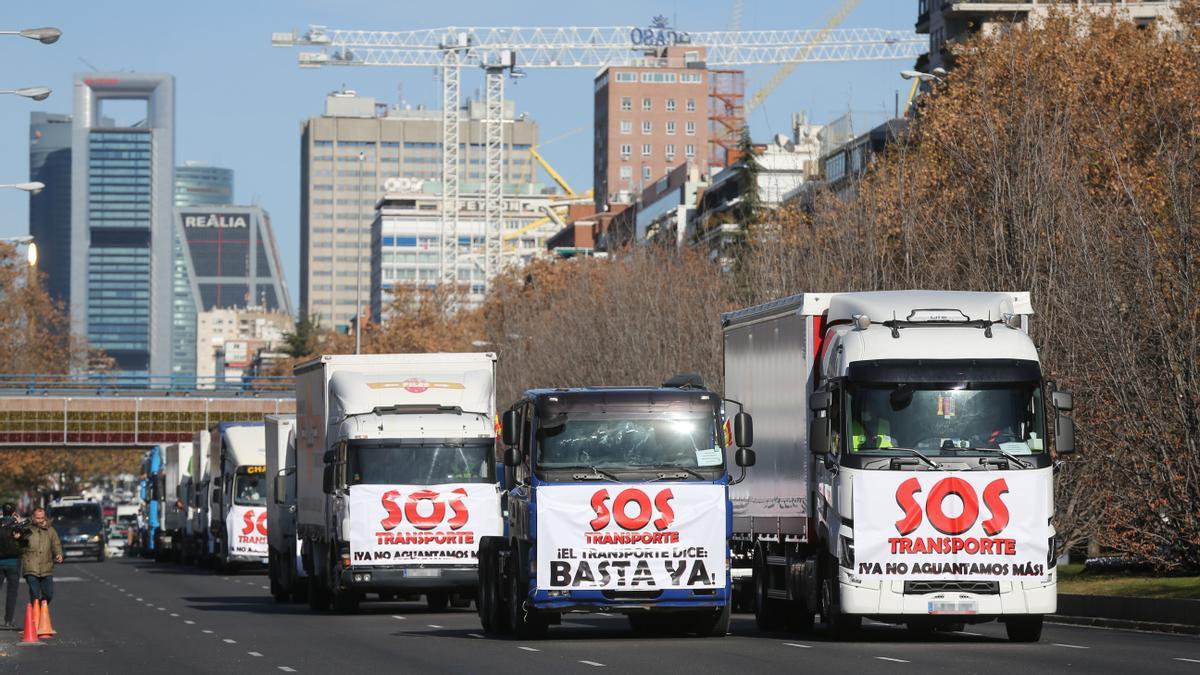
x=953, y=607
x=422, y=573
x=263, y=561
x=72, y=554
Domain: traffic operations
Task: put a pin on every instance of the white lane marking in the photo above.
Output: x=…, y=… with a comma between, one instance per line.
x=1180, y=658
x=593, y=663
x=529, y=649
x=605, y=614
x=254, y=654
x=474, y=635
x=266, y=588
x=434, y=625
x=138, y=599
x=229, y=641
x=888, y=658
x=189, y=622
x=286, y=669
x=1060, y=644
x=173, y=614
x=161, y=609
x=797, y=644
x=394, y=616
x=963, y=632
x=205, y=630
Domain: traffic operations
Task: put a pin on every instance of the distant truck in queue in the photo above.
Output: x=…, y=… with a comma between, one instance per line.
x=198, y=539
x=238, y=525
x=617, y=501
x=395, y=475
x=284, y=564
x=904, y=472
x=174, y=477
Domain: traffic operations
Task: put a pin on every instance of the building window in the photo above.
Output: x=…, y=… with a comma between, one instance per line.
x=670, y=128
x=689, y=150
x=626, y=127
x=691, y=105
x=647, y=106
x=690, y=128
x=647, y=127
x=626, y=150
x=670, y=151
x=626, y=103
x=627, y=172
x=645, y=149
x=670, y=105
x=626, y=77
x=645, y=173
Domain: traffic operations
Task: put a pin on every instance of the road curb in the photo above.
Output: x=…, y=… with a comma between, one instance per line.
x=1161, y=615
x=1127, y=624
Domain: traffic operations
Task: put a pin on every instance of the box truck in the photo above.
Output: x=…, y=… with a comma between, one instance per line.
x=903, y=469
x=395, y=474
x=238, y=525
x=617, y=502
x=284, y=566
x=174, y=481
x=198, y=546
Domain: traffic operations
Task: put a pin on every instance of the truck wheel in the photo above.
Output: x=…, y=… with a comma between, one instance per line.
x=524, y=621
x=318, y=595
x=1024, y=628
x=768, y=612
x=299, y=589
x=713, y=624
x=801, y=617
x=345, y=601
x=840, y=626
x=437, y=601
x=484, y=601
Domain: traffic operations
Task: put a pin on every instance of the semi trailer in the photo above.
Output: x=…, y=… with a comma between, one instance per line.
x=284, y=564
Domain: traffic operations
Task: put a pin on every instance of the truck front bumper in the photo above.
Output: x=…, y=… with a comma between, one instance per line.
x=675, y=600
x=416, y=579
x=887, y=600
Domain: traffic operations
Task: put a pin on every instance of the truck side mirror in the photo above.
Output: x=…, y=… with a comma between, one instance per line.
x=329, y=457
x=216, y=496
x=1063, y=401
x=744, y=457
x=280, y=487
x=819, y=400
x=509, y=424
x=512, y=456
x=1064, y=435
x=818, y=436
x=743, y=430
x=327, y=479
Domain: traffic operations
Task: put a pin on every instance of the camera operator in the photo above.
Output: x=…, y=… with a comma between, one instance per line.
x=14, y=537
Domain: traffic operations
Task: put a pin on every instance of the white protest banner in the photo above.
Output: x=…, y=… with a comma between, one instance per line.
x=247, y=531
x=632, y=537
x=437, y=524
x=929, y=525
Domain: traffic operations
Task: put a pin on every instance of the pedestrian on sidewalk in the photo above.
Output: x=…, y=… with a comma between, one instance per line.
x=12, y=545
x=41, y=554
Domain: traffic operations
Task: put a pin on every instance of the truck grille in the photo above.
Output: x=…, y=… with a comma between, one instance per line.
x=631, y=595
x=980, y=587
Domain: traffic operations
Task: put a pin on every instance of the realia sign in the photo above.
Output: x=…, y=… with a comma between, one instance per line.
x=937, y=525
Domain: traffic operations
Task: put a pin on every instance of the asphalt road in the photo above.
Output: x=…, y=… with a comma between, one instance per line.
x=134, y=616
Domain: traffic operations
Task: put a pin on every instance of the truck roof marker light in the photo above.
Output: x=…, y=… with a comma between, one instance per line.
x=861, y=321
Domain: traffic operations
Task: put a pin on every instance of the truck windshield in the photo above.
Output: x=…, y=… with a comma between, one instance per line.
x=250, y=490
x=419, y=464
x=946, y=421
x=77, y=513
x=632, y=441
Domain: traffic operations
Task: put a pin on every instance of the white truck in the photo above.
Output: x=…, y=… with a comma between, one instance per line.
x=175, y=481
x=238, y=525
x=395, y=474
x=284, y=565
x=903, y=469
x=198, y=545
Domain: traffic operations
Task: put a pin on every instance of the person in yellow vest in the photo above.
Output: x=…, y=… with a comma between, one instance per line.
x=866, y=432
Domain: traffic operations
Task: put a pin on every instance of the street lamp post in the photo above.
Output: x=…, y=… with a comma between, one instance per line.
x=33, y=187
x=358, y=274
x=35, y=93
x=47, y=36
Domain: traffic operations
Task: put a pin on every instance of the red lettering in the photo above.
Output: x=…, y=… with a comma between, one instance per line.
x=991, y=498
x=906, y=501
x=262, y=523
x=460, y=509
x=601, y=509
x=419, y=521
x=643, y=502
x=661, y=502
x=938, y=518
x=394, y=516
x=248, y=522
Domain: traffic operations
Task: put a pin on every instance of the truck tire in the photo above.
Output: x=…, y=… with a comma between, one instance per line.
x=713, y=624
x=345, y=601
x=437, y=601
x=1024, y=628
x=299, y=589
x=493, y=613
x=318, y=595
x=840, y=626
x=768, y=612
x=524, y=622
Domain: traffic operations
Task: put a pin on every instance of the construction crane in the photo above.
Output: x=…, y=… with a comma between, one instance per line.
x=504, y=52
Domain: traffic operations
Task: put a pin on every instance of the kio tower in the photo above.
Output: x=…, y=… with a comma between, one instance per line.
x=122, y=224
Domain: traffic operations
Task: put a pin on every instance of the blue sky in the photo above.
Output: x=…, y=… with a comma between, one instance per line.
x=240, y=103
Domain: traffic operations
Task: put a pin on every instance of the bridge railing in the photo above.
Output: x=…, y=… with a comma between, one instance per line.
x=120, y=384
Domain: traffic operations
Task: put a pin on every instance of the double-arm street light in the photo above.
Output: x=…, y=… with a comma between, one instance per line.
x=46, y=36
x=938, y=75
x=33, y=187
x=35, y=93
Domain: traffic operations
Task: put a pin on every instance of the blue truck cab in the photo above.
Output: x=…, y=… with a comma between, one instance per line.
x=616, y=500
x=149, y=489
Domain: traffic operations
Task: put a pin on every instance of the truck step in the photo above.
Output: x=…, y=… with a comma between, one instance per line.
x=776, y=560
x=776, y=594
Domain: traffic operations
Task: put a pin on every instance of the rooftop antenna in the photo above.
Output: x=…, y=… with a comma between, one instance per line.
x=89, y=65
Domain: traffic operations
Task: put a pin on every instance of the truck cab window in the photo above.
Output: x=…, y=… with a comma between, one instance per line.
x=387, y=464
x=250, y=489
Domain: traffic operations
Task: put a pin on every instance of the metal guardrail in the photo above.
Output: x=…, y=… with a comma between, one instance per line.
x=117, y=384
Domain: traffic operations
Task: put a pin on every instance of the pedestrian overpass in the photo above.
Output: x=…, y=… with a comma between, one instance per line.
x=89, y=411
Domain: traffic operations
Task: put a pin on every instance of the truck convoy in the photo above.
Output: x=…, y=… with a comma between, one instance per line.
x=238, y=524
x=149, y=485
x=174, y=477
x=903, y=468
x=284, y=564
x=617, y=501
x=395, y=474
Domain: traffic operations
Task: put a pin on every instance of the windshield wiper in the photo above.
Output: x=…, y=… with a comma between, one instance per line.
x=596, y=474
x=1010, y=457
x=668, y=476
x=918, y=455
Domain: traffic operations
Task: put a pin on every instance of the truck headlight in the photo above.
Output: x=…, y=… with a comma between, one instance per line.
x=846, y=552
x=95, y=538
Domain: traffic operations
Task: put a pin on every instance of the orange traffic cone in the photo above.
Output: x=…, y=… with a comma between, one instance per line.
x=30, y=635
x=44, y=628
